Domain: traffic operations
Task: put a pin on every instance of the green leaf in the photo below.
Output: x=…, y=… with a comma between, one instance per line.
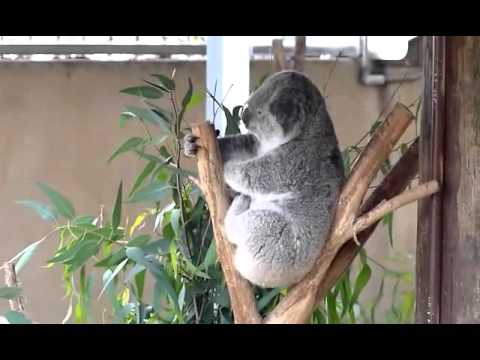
x=151, y=193
x=181, y=297
x=173, y=257
x=196, y=99
x=407, y=306
x=15, y=317
x=138, y=255
x=82, y=246
x=195, y=271
x=210, y=257
x=25, y=255
x=376, y=301
x=149, y=116
x=9, y=292
x=139, y=241
x=132, y=272
x=112, y=276
x=164, y=152
x=43, y=210
x=388, y=221
x=363, y=256
x=112, y=259
x=185, y=102
x=267, y=298
x=188, y=95
x=221, y=296
x=62, y=205
x=87, y=250
x=159, y=87
x=149, y=157
x=86, y=220
x=124, y=116
x=165, y=81
x=175, y=220
x=333, y=317
x=157, y=141
x=143, y=175
x=360, y=283
x=345, y=294
x=117, y=210
x=147, y=92
x=128, y=145
x=140, y=283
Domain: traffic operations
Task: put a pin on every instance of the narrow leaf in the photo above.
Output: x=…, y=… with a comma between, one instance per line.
x=165, y=81
x=150, y=193
x=117, y=211
x=27, y=254
x=61, y=204
x=143, y=175
x=15, y=317
x=9, y=292
x=360, y=283
x=43, y=210
x=128, y=145
x=148, y=92
x=112, y=276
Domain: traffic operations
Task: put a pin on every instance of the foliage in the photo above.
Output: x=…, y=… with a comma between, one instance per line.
x=168, y=248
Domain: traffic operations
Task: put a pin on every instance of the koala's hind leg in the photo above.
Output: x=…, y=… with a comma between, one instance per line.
x=266, y=248
x=234, y=221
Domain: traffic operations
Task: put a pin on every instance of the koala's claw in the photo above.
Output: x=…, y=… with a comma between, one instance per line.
x=190, y=145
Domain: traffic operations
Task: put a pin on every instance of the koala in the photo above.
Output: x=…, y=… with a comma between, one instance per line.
x=286, y=172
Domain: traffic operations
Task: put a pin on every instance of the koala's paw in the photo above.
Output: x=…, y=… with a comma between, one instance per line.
x=190, y=145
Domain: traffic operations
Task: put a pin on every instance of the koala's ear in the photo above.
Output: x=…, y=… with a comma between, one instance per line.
x=284, y=107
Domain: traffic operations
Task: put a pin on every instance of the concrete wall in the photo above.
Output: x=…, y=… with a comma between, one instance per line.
x=59, y=124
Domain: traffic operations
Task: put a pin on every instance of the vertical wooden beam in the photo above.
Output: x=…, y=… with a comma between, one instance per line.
x=460, y=296
x=429, y=228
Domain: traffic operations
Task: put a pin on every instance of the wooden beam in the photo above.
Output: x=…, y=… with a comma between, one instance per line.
x=460, y=292
x=429, y=226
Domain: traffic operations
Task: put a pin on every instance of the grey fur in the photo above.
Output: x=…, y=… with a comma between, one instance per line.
x=288, y=171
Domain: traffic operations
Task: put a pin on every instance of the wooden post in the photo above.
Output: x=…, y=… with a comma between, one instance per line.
x=460, y=295
x=429, y=228
x=448, y=254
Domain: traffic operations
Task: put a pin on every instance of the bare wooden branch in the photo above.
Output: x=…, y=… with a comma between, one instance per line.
x=210, y=181
x=395, y=182
x=417, y=193
x=299, y=54
x=11, y=281
x=280, y=60
x=298, y=305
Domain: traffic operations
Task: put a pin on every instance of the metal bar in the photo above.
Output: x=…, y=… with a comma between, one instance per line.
x=61, y=49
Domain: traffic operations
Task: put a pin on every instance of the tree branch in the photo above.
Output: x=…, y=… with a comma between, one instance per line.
x=299, y=54
x=11, y=281
x=395, y=182
x=210, y=181
x=279, y=55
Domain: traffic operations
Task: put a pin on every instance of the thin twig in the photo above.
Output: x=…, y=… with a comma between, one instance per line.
x=11, y=281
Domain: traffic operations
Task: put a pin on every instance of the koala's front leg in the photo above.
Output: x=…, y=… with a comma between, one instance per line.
x=233, y=148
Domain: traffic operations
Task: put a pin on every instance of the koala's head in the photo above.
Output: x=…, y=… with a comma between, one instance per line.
x=283, y=107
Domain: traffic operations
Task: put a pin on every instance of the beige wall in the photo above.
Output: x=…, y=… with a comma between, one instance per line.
x=59, y=124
